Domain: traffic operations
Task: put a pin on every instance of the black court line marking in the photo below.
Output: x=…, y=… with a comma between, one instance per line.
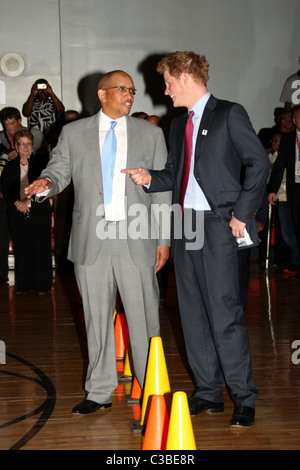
x=45, y=409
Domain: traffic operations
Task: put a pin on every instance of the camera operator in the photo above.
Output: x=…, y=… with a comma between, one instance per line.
x=44, y=110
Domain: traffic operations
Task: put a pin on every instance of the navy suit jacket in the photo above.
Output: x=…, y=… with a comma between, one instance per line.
x=226, y=141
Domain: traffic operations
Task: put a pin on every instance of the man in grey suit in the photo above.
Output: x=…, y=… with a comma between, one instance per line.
x=115, y=243
x=221, y=141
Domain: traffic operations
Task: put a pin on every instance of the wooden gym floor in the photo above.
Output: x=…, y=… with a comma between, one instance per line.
x=41, y=378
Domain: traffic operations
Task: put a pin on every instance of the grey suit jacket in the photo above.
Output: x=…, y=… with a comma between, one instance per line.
x=77, y=157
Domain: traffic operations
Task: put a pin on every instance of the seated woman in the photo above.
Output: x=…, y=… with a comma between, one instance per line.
x=29, y=221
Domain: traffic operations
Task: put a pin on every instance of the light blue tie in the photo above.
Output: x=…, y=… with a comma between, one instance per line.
x=108, y=158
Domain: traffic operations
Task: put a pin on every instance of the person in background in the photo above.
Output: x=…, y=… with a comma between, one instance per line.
x=43, y=108
x=289, y=159
x=4, y=229
x=11, y=121
x=71, y=115
x=284, y=222
x=291, y=85
x=283, y=121
x=29, y=222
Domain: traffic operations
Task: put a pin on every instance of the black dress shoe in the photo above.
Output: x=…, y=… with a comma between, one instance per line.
x=198, y=405
x=86, y=407
x=242, y=416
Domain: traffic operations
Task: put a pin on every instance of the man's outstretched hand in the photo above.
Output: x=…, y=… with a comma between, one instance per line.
x=139, y=176
x=38, y=186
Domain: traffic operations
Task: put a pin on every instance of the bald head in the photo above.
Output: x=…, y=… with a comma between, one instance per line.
x=108, y=78
x=116, y=93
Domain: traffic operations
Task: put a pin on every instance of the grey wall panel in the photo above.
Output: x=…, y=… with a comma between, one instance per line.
x=251, y=45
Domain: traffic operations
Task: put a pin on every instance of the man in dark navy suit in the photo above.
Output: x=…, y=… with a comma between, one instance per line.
x=222, y=140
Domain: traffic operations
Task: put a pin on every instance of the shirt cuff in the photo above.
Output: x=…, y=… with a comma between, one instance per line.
x=148, y=184
x=44, y=193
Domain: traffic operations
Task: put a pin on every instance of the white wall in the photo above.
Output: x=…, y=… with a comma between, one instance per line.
x=30, y=28
x=252, y=46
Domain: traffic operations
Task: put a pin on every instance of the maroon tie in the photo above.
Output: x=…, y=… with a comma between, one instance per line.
x=188, y=144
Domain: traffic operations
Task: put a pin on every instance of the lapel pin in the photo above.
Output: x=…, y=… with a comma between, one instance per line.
x=204, y=132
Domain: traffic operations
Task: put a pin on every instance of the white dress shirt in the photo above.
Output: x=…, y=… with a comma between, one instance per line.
x=194, y=196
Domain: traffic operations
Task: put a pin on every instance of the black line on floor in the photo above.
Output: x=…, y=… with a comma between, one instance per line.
x=45, y=409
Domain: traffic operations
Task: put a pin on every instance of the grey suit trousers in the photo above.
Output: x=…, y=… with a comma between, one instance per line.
x=98, y=284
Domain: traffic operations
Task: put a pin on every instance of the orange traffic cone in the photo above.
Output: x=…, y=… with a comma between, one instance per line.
x=135, y=399
x=157, y=425
x=136, y=411
x=120, y=367
x=121, y=335
x=136, y=392
x=180, y=434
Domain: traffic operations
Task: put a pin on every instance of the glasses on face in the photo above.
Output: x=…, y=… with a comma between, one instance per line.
x=122, y=89
x=24, y=145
